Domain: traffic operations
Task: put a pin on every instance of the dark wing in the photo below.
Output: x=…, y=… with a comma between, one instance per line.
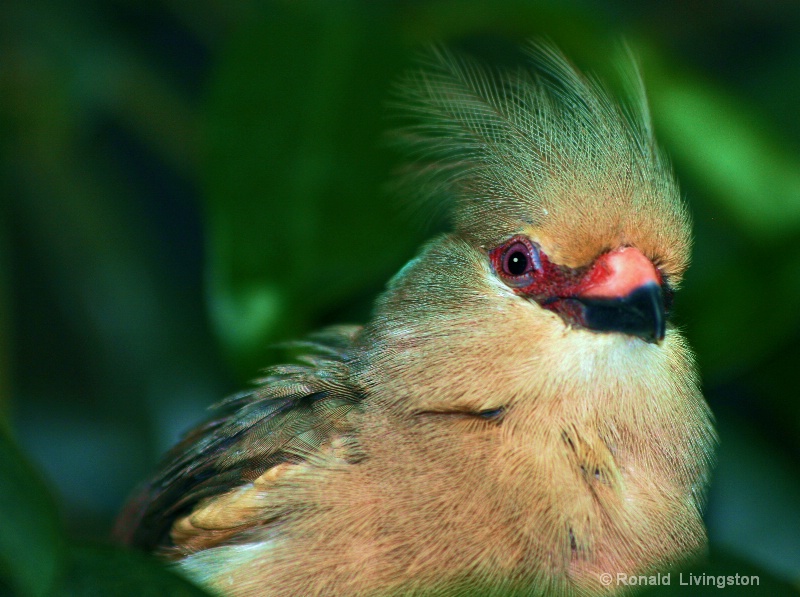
x=254, y=437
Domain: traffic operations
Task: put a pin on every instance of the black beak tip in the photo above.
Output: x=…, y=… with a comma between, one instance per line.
x=641, y=314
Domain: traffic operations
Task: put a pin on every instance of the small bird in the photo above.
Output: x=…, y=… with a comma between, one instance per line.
x=518, y=416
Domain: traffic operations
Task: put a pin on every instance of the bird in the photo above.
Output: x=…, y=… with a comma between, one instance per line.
x=519, y=415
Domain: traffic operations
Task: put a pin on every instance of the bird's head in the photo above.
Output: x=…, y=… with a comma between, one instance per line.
x=570, y=232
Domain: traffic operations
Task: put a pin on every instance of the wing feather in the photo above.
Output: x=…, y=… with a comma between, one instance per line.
x=216, y=481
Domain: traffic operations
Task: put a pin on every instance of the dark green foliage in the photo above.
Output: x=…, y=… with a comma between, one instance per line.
x=95, y=571
x=32, y=550
x=185, y=184
x=35, y=559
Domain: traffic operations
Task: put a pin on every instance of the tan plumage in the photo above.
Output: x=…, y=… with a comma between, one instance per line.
x=478, y=432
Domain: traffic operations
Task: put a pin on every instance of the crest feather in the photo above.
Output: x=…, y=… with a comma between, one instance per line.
x=543, y=147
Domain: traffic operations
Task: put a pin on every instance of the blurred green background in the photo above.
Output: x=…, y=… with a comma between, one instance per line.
x=185, y=183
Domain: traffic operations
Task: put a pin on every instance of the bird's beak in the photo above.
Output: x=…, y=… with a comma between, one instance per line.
x=640, y=313
x=623, y=293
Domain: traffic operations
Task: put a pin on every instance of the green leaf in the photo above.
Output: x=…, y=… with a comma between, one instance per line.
x=297, y=218
x=31, y=543
x=114, y=572
x=744, y=167
x=753, y=502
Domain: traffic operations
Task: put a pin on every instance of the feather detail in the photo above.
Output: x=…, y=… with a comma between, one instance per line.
x=216, y=481
x=547, y=149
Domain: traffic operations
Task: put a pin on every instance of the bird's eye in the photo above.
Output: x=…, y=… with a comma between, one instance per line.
x=519, y=259
x=516, y=262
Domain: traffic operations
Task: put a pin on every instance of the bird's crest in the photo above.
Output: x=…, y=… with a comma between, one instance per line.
x=544, y=147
